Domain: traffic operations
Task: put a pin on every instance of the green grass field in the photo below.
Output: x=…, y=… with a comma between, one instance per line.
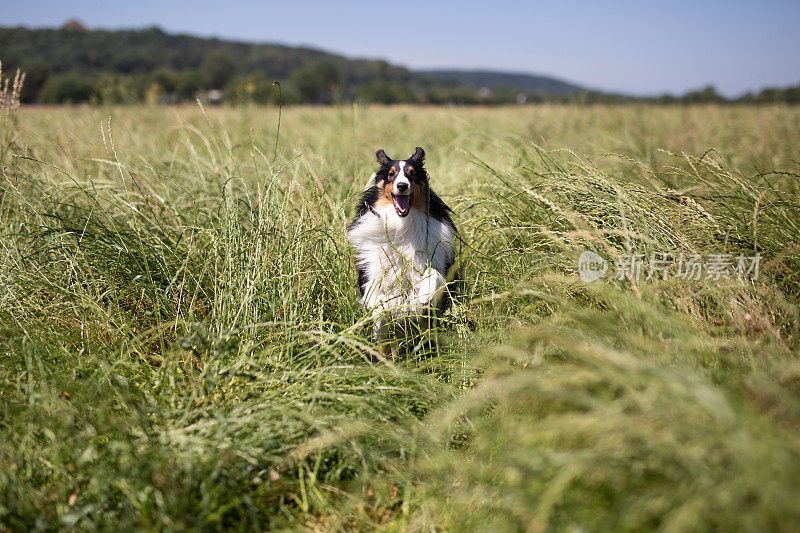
x=181, y=345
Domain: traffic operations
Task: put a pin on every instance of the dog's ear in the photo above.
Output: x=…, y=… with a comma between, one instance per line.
x=418, y=157
x=382, y=159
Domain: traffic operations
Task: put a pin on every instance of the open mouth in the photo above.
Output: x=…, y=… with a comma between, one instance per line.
x=402, y=204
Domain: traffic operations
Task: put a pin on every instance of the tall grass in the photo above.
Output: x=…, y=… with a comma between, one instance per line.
x=182, y=345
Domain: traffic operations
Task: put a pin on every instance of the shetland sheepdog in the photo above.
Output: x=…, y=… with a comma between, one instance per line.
x=403, y=239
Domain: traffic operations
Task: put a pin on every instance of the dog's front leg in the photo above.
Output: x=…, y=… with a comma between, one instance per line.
x=380, y=332
x=376, y=301
x=431, y=288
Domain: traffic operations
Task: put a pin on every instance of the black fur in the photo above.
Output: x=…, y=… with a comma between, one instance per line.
x=368, y=198
x=381, y=156
x=362, y=279
x=439, y=210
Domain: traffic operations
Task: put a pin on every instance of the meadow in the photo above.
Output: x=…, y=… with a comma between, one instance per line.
x=181, y=345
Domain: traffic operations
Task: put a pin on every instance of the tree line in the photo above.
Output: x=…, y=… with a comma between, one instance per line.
x=75, y=65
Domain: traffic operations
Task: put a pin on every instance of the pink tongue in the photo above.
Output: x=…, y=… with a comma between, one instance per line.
x=402, y=202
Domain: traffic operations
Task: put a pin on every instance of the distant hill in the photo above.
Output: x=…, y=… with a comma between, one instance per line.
x=527, y=83
x=74, y=64
x=202, y=63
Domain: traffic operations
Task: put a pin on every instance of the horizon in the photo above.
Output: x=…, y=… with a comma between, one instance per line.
x=733, y=56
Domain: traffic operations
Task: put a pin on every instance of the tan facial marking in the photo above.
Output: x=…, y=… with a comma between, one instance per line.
x=387, y=194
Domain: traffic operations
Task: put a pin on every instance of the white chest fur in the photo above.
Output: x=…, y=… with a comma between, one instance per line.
x=405, y=259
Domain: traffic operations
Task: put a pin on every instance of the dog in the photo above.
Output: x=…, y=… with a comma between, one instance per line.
x=403, y=239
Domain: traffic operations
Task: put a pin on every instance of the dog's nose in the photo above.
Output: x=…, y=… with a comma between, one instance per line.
x=402, y=187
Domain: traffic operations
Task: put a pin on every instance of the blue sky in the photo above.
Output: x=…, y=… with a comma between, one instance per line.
x=634, y=47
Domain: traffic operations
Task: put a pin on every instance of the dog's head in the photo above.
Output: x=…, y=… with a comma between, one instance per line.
x=403, y=183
